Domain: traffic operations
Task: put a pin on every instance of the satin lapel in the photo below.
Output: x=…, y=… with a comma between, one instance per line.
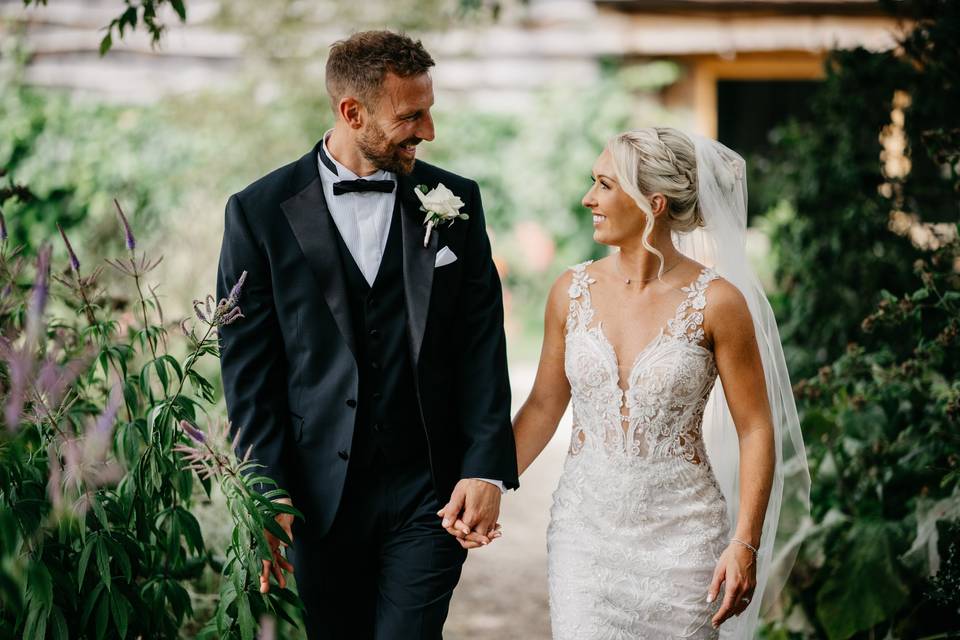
x=310, y=221
x=417, y=263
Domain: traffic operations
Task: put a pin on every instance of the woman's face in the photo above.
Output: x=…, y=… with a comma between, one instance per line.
x=616, y=216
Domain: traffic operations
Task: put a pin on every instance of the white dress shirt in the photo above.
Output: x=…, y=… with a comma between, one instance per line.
x=363, y=220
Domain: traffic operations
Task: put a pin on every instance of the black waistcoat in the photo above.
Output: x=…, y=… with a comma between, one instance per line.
x=388, y=418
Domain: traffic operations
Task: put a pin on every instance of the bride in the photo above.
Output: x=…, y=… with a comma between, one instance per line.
x=664, y=519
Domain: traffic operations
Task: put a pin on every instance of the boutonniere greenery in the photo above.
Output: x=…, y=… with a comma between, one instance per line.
x=441, y=206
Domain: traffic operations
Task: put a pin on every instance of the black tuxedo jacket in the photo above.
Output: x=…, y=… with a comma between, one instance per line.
x=289, y=370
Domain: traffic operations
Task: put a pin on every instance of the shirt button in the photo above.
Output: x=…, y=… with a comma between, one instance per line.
x=377, y=427
x=374, y=365
x=352, y=403
x=374, y=333
x=343, y=454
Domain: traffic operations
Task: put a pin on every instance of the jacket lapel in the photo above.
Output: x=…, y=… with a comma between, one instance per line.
x=310, y=221
x=417, y=262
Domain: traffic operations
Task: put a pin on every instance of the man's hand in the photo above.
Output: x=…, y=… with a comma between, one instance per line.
x=472, y=512
x=279, y=563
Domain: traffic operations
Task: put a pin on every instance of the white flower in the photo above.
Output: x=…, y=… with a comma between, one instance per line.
x=440, y=202
x=440, y=205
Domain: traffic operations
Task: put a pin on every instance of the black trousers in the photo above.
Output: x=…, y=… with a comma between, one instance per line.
x=387, y=569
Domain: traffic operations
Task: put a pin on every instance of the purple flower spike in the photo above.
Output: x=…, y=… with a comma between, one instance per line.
x=268, y=630
x=235, y=291
x=192, y=431
x=41, y=289
x=3, y=227
x=198, y=311
x=131, y=241
x=103, y=426
x=74, y=261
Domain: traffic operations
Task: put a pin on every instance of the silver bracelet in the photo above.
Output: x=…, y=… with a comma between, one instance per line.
x=747, y=545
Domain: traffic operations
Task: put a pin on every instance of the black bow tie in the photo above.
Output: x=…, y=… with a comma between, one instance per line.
x=360, y=186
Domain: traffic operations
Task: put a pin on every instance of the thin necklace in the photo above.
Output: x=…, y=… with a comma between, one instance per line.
x=627, y=280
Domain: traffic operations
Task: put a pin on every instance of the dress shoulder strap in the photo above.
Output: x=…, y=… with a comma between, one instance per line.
x=581, y=310
x=688, y=321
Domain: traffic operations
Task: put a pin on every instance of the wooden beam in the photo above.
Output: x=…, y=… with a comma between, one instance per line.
x=752, y=7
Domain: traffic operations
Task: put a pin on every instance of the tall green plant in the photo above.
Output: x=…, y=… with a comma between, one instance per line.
x=100, y=461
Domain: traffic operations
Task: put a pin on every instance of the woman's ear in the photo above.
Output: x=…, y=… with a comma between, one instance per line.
x=658, y=203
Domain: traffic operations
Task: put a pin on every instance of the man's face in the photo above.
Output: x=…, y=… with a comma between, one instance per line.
x=398, y=123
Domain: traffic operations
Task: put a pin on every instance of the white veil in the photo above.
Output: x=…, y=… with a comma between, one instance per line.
x=721, y=244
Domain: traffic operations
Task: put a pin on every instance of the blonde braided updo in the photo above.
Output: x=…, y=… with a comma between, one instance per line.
x=659, y=160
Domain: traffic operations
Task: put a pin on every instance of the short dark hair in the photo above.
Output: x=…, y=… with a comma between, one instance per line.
x=359, y=64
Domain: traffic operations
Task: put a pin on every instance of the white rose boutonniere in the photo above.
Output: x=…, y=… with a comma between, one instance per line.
x=440, y=205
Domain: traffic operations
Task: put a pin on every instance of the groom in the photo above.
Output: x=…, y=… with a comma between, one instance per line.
x=369, y=374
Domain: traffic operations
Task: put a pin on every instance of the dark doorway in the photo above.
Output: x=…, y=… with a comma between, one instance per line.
x=747, y=110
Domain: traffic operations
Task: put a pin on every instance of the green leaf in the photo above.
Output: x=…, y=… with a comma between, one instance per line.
x=288, y=596
x=191, y=529
x=40, y=587
x=868, y=423
x=84, y=559
x=161, y=373
x=58, y=625
x=120, y=555
x=106, y=43
x=119, y=607
x=89, y=603
x=865, y=587
x=98, y=510
x=103, y=562
x=36, y=624
x=273, y=527
x=286, y=508
x=103, y=616
x=180, y=8
x=245, y=618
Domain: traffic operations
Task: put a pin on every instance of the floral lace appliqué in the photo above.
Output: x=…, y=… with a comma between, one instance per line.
x=638, y=520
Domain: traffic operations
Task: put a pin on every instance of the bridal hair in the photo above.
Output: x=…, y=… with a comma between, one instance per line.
x=358, y=64
x=659, y=160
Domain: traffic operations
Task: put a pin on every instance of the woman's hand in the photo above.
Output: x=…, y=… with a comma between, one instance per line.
x=737, y=572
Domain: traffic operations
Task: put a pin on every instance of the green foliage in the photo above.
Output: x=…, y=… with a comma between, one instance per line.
x=100, y=463
x=78, y=156
x=881, y=412
x=135, y=12
x=837, y=253
x=873, y=344
x=884, y=450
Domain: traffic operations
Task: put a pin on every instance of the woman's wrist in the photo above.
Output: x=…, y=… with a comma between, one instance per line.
x=748, y=535
x=744, y=544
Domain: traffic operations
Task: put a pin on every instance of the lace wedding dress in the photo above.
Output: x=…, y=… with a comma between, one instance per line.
x=638, y=520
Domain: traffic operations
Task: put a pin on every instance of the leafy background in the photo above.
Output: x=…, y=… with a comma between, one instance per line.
x=864, y=266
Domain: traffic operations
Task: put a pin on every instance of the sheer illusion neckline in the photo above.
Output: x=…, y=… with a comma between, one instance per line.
x=694, y=292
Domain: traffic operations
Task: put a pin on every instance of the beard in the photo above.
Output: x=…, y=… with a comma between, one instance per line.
x=383, y=154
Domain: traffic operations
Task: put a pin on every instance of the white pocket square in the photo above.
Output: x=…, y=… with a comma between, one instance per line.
x=444, y=257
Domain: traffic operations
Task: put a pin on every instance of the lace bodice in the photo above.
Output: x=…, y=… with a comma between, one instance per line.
x=666, y=388
x=638, y=521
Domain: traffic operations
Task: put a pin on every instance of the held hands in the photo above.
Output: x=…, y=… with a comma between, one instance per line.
x=279, y=563
x=737, y=571
x=472, y=512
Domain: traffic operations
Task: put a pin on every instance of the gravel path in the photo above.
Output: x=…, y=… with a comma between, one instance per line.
x=503, y=590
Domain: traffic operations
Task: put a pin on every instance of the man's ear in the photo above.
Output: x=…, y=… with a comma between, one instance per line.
x=352, y=112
